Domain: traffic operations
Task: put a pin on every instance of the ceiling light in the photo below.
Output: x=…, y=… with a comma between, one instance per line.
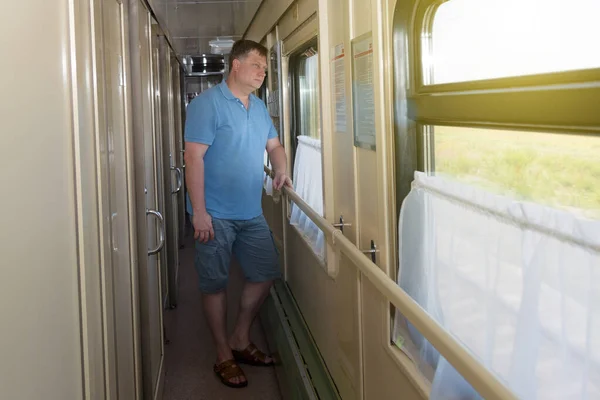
x=221, y=46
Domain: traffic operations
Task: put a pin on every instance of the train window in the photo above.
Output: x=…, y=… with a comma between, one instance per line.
x=308, y=95
x=556, y=170
x=307, y=161
x=485, y=39
x=503, y=222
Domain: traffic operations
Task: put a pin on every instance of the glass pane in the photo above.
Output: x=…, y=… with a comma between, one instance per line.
x=558, y=170
x=308, y=86
x=485, y=39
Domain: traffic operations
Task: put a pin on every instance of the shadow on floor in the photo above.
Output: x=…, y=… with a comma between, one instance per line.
x=190, y=355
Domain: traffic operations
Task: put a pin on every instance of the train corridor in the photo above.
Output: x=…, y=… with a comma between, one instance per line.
x=190, y=353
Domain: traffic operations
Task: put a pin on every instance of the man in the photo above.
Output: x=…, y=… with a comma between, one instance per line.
x=226, y=132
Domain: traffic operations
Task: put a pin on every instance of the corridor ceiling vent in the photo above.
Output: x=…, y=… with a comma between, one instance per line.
x=203, y=64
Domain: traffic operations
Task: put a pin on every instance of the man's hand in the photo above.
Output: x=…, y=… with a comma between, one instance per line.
x=278, y=161
x=203, y=229
x=280, y=180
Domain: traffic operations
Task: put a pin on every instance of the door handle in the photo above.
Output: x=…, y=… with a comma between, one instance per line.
x=179, y=179
x=161, y=236
x=114, y=232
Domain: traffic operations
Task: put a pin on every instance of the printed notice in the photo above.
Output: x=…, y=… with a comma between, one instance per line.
x=363, y=93
x=338, y=79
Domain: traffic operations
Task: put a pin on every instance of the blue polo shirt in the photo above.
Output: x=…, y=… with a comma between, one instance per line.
x=233, y=163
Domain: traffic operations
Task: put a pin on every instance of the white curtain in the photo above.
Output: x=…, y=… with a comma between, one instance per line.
x=267, y=181
x=518, y=284
x=308, y=183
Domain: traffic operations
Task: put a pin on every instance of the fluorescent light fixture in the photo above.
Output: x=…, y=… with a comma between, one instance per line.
x=221, y=46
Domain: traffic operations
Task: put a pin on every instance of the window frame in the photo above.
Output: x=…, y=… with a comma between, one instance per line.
x=550, y=98
x=275, y=83
x=422, y=26
x=559, y=102
x=292, y=58
x=562, y=102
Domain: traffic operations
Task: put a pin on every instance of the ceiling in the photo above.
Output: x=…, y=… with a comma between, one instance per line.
x=193, y=23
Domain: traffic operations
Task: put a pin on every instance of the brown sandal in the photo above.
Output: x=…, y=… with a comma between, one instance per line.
x=228, y=370
x=251, y=355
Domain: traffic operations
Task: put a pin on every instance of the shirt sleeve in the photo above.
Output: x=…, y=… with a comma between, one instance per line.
x=201, y=121
x=272, y=131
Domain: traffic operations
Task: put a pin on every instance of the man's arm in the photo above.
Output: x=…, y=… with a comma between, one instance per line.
x=279, y=163
x=194, y=178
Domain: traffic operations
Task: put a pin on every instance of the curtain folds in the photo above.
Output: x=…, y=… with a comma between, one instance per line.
x=516, y=283
x=308, y=183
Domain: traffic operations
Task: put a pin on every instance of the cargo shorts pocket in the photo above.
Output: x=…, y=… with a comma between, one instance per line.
x=211, y=260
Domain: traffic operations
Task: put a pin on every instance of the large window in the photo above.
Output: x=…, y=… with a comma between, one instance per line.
x=307, y=165
x=484, y=39
x=500, y=231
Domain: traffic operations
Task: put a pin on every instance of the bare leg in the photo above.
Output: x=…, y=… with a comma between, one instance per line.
x=253, y=295
x=215, y=310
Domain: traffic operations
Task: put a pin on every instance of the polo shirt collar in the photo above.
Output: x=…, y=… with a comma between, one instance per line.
x=227, y=92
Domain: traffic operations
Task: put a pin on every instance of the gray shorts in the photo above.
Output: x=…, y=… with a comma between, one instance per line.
x=252, y=244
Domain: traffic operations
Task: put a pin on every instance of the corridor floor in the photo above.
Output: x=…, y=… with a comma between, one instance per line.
x=190, y=354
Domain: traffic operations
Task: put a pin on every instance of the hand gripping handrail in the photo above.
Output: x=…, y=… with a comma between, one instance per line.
x=482, y=380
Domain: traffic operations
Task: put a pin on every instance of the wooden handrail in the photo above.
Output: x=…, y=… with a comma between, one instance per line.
x=486, y=383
